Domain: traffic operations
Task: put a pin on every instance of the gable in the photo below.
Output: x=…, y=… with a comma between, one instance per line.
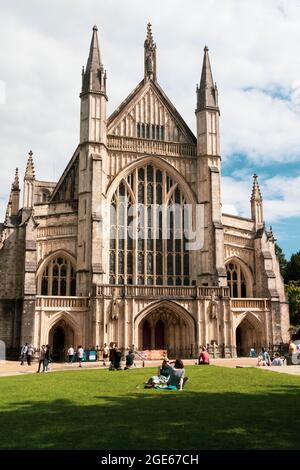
x=148, y=113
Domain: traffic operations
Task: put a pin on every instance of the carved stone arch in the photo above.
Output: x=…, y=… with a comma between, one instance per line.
x=249, y=333
x=160, y=164
x=247, y=271
x=179, y=325
x=252, y=317
x=67, y=327
x=64, y=315
x=47, y=260
x=63, y=253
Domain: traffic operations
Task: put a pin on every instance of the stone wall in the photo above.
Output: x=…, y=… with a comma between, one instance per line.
x=12, y=265
x=11, y=289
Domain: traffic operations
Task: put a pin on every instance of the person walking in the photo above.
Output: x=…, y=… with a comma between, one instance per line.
x=46, y=358
x=29, y=354
x=41, y=358
x=80, y=355
x=70, y=354
x=24, y=349
x=105, y=354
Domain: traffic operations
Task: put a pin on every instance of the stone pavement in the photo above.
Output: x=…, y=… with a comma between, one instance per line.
x=13, y=368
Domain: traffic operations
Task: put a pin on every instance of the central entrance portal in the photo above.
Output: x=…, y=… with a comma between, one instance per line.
x=167, y=327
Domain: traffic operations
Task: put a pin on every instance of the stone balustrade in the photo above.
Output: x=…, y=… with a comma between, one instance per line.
x=158, y=292
x=250, y=304
x=153, y=147
x=150, y=292
x=55, y=303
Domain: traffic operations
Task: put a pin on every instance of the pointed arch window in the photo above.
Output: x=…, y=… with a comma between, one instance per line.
x=236, y=280
x=151, y=250
x=58, y=278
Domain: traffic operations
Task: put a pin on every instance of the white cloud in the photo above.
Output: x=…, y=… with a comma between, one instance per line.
x=253, y=46
x=281, y=197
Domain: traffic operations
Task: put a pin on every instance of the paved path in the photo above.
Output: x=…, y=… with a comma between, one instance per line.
x=13, y=368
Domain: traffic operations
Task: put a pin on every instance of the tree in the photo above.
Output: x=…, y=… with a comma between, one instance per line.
x=292, y=270
x=293, y=292
x=281, y=258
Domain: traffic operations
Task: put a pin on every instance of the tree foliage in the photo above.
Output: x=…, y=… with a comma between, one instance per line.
x=292, y=270
x=281, y=258
x=293, y=292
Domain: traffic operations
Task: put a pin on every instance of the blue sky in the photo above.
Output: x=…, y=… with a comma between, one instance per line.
x=254, y=52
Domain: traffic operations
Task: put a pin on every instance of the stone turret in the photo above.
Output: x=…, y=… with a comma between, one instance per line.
x=211, y=256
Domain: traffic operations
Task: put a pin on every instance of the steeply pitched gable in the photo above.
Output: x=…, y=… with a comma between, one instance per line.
x=146, y=109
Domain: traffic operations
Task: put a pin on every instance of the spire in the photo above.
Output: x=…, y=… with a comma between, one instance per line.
x=29, y=173
x=149, y=56
x=16, y=183
x=94, y=76
x=207, y=93
x=256, y=193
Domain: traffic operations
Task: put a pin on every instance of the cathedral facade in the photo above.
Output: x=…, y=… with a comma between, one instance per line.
x=88, y=261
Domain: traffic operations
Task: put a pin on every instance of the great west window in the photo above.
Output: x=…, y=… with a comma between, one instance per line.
x=149, y=248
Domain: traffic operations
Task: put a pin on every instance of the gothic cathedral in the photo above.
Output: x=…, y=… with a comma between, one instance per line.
x=79, y=267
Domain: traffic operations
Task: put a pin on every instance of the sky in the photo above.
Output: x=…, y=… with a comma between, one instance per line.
x=254, y=51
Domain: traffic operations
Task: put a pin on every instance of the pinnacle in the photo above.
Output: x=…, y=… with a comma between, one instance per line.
x=15, y=185
x=29, y=173
x=256, y=192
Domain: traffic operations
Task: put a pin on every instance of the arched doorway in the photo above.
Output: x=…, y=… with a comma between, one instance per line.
x=167, y=326
x=248, y=335
x=61, y=337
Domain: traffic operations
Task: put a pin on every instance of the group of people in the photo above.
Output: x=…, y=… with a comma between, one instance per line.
x=170, y=376
x=264, y=358
x=80, y=354
x=114, y=355
x=44, y=358
x=27, y=353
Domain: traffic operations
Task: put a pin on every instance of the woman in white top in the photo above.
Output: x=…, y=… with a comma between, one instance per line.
x=80, y=355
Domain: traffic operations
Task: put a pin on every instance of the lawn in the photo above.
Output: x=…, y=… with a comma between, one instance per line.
x=220, y=408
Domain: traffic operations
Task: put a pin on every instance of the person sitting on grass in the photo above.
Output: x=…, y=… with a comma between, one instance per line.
x=177, y=377
x=129, y=361
x=203, y=357
x=162, y=377
x=263, y=358
x=277, y=361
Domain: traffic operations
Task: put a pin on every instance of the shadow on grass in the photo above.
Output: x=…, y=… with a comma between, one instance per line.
x=157, y=420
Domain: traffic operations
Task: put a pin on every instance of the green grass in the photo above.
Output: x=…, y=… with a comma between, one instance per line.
x=220, y=408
